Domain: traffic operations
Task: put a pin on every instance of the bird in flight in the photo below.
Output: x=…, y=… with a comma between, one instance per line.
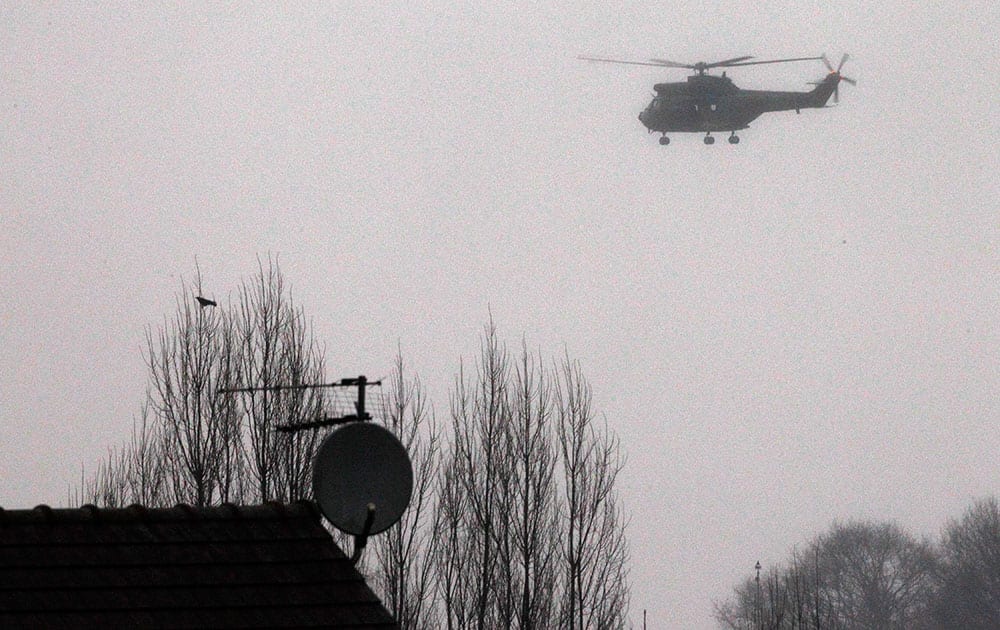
x=203, y=302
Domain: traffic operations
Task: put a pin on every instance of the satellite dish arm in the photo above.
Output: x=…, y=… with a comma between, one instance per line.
x=361, y=540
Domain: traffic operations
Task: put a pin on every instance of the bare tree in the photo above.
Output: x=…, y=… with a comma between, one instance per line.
x=857, y=576
x=528, y=512
x=756, y=606
x=876, y=575
x=968, y=593
x=784, y=598
x=274, y=348
x=108, y=486
x=479, y=465
x=144, y=455
x=133, y=474
x=452, y=557
x=532, y=556
x=404, y=554
x=188, y=362
x=199, y=446
x=594, y=547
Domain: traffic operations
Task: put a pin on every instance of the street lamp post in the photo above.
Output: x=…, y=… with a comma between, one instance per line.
x=757, y=607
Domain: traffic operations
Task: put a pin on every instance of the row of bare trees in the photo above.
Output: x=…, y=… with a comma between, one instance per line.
x=876, y=576
x=514, y=519
x=192, y=444
x=531, y=532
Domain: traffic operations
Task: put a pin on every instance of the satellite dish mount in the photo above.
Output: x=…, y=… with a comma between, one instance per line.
x=362, y=475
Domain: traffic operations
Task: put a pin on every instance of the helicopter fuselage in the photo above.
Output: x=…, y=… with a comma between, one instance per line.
x=707, y=103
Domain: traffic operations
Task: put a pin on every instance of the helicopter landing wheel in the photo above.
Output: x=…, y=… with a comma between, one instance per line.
x=734, y=139
x=709, y=140
x=664, y=140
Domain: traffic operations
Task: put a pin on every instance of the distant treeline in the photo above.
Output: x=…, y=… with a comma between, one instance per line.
x=867, y=575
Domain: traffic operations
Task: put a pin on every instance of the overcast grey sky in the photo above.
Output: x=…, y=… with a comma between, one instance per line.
x=801, y=328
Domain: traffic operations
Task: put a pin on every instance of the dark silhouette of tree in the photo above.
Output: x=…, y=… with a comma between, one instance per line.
x=876, y=575
x=189, y=359
x=274, y=347
x=401, y=562
x=594, y=548
x=530, y=552
x=475, y=471
x=530, y=529
x=859, y=575
x=199, y=446
x=968, y=593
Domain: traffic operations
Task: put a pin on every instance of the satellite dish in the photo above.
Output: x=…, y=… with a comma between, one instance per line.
x=362, y=479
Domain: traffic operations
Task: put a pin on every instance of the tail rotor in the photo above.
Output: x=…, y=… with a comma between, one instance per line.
x=836, y=73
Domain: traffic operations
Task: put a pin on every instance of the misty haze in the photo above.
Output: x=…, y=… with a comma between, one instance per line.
x=790, y=346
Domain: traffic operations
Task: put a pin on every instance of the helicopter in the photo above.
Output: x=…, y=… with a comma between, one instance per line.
x=707, y=103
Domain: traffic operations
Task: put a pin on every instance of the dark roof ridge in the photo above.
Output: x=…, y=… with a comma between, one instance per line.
x=271, y=510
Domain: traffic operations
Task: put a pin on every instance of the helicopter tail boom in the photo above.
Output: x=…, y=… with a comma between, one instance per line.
x=820, y=95
x=776, y=101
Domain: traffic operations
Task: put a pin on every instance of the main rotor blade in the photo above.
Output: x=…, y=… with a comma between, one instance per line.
x=666, y=63
x=757, y=63
x=730, y=62
x=633, y=63
x=826, y=62
x=848, y=80
x=701, y=64
x=843, y=60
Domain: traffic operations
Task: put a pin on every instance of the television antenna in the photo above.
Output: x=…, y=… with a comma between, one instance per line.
x=359, y=406
x=362, y=475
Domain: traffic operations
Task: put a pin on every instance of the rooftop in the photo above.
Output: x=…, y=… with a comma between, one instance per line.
x=227, y=566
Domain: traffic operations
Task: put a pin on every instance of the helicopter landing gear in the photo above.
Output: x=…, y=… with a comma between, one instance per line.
x=664, y=140
x=709, y=139
x=733, y=138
